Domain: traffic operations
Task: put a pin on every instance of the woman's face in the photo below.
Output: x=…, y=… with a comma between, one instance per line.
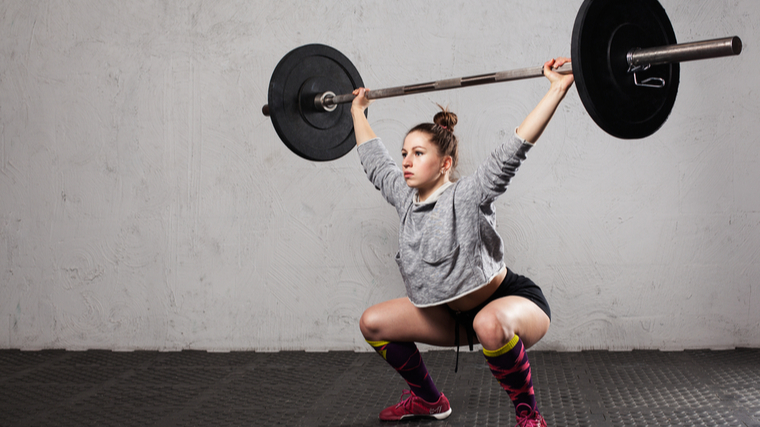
x=424, y=167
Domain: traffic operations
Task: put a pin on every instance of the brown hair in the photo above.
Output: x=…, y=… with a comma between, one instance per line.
x=441, y=133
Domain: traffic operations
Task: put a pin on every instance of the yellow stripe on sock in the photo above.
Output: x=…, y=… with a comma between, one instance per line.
x=507, y=347
x=376, y=345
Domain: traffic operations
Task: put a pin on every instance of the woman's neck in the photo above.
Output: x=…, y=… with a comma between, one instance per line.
x=425, y=193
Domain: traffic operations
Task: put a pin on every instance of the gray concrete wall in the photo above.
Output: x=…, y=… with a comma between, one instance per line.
x=147, y=204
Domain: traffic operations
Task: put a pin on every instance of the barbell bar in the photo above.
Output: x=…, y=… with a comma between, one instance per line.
x=326, y=101
x=637, y=59
x=624, y=57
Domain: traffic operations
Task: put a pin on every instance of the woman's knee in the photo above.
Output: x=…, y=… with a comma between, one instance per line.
x=371, y=324
x=493, y=329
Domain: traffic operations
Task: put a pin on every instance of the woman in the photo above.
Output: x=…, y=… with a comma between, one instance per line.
x=451, y=258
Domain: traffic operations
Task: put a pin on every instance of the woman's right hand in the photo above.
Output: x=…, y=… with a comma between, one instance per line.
x=360, y=102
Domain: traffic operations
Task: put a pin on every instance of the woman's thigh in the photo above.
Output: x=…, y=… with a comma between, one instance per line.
x=506, y=317
x=399, y=320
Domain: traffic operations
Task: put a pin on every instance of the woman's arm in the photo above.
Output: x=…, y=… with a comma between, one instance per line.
x=533, y=125
x=380, y=168
x=362, y=129
x=495, y=173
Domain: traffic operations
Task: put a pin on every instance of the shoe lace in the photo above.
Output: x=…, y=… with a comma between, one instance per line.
x=405, y=403
x=527, y=417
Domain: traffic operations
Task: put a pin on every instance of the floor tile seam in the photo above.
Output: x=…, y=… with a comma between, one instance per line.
x=750, y=420
x=588, y=390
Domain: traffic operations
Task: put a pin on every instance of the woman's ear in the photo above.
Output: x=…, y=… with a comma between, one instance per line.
x=447, y=161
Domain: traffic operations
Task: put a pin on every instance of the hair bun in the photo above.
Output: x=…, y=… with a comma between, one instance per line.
x=445, y=119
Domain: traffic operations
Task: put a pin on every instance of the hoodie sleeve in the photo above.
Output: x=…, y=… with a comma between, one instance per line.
x=495, y=173
x=383, y=172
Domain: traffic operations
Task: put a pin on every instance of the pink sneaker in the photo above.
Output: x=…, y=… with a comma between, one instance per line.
x=414, y=406
x=529, y=417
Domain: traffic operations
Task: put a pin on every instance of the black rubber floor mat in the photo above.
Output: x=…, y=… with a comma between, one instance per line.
x=194, y=388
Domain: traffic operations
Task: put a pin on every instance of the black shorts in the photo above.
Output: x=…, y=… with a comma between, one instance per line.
x=512, y=285
x=521, y=286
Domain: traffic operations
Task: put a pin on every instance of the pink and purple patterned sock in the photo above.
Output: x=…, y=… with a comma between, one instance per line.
x=405, y=358
x=511, y=368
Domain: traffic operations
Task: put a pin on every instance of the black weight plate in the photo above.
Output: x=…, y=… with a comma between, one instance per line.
x=603, y=34
x=299, y=76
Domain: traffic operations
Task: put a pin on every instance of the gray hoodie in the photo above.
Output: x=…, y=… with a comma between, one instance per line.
x=448, y=247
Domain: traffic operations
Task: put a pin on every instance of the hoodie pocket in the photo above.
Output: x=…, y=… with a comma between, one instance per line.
x=436, y=258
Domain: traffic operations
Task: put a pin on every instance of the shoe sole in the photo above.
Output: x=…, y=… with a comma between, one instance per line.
x=441, y=416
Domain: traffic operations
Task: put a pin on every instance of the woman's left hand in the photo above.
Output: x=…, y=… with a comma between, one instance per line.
x=533, y=125
x=560, y=81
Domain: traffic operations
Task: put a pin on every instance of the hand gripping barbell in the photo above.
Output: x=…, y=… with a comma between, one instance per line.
x=625, y=60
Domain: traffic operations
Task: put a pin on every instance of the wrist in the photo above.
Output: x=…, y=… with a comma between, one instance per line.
x=557, y=89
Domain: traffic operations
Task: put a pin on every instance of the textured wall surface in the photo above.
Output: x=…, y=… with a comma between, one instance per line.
x=145, y=202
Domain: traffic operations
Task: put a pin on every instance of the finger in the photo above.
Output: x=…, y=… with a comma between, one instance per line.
x=560, y=62
x=548, y=68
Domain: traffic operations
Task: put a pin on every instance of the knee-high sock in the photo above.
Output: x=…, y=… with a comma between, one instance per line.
x=510, y=366
x=405, y=358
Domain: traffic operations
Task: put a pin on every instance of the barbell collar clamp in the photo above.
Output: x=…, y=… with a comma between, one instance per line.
x=322, y=102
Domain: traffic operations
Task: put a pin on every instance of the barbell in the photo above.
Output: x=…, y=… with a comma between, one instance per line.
x=625, y=60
